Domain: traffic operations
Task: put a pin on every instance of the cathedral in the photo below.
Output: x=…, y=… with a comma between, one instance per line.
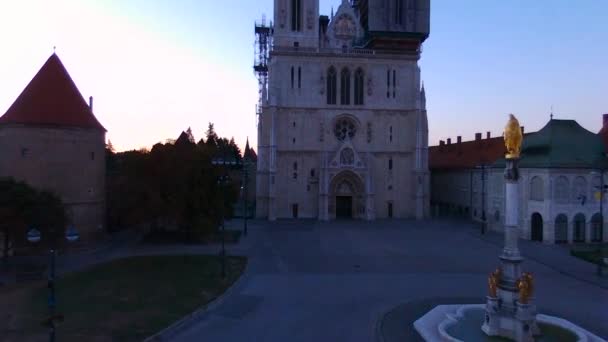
x=342, y=122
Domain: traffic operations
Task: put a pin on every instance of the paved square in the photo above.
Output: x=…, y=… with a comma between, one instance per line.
x=317, y=281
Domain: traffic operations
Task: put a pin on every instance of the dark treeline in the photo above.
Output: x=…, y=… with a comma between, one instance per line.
x=174, y=186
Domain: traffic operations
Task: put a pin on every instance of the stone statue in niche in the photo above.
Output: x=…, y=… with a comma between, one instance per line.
x=347, y=157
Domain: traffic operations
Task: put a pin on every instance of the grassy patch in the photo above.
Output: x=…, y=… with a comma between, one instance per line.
x=124, y=300
x=592, y=255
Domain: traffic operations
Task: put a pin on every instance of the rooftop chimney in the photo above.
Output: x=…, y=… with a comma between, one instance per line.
x=459, y=139
x=441, y=142
x=477, y=136
x=449, y=141
x=488, y=135
x=522, y=130
x=91, y=103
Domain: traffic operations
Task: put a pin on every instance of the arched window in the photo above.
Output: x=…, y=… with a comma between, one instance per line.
x=390, y=134
x=390, y=163
x=331, y=85
x=292, y=77
x=359, y=90
x=561, y=229
x=579, y=191
x=579, y=228
x=561, y=193
x=296, y=15
x=345, y=86
x=399, y=12
x=536, y=189
x=597, y=234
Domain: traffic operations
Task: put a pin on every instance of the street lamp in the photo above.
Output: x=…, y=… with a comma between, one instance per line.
x=34, y=236
x=222, y=181
x=483, y=168
x=245, y=188
x=602, y=189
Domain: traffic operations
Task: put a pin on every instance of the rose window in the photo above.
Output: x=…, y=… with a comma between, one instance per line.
x=344, y=128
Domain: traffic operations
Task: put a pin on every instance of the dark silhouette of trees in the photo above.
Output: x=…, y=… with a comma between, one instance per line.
x=174, y=186
x=22, y=207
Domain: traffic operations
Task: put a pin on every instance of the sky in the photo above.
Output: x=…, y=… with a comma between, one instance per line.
x=157, y=67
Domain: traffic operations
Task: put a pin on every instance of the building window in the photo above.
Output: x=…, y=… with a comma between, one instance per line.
x=295, y=175
x=579, y=195
x=292, y=77
x=536, y=189
x=294, y=124
x=344, y=128
x=345, y=87
x=359, y=88
x=294, y=210
x=92, y=155
x=25, y=152
x=296, y=15
x=390, y=134
x=394, y=82
x=299, y=77
x=293, y=140
x=390, y=209
x=331, y=85
x=295, y=166
x=390, y=163
x=388, y=84
x=312, y=173
x=308, y=187
x=399, y=12
x=272, y=180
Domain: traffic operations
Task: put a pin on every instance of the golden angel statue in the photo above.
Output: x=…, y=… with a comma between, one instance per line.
x=493, y=280
x=513, y=137
x=525, y=286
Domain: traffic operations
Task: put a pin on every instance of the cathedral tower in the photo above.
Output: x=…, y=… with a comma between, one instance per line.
x=342, y=128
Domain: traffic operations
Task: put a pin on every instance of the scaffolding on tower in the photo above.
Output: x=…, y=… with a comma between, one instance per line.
x=262, y=47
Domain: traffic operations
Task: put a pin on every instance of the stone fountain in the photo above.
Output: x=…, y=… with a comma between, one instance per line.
x=510, y=310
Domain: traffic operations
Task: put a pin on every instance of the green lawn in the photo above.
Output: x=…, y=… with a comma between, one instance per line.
x=591, y=255
x=125, y=300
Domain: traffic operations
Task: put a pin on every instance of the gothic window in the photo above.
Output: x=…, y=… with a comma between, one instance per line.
x=359, y=76
x=394, y=81
x=399, y=12
x=579, y=191
x=292, y=77
x=536, y=189
x=344, y=128
x=388, y=83
x=561, y=193
x=296, y=15
x=331, y=85
x=345, y=86
x=299, y=77
x=347, y=157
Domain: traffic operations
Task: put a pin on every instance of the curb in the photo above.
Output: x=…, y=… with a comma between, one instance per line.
x=189, y=320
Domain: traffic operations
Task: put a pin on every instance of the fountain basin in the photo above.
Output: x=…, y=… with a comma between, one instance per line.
x=456, y=323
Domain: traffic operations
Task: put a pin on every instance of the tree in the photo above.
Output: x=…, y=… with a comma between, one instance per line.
x=211, y=135
x=22, y=206
x=190, y=136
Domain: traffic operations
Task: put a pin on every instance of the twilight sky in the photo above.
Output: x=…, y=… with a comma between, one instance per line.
x=156, y=67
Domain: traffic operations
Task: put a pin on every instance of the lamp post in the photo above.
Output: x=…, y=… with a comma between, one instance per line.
x=222, y=181
x=34, y=236
x=602, y=189
x=482, y=167
x=245, y=188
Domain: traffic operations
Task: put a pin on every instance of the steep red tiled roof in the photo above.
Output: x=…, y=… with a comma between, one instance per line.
x=51, y=98
x=467, y=154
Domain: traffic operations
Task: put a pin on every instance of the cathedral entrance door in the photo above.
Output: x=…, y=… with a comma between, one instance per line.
x=344, y=207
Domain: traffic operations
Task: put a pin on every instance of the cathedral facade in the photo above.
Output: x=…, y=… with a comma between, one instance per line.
x=342, y=126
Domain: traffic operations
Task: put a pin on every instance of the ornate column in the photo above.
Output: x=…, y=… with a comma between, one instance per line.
x=510, y=311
